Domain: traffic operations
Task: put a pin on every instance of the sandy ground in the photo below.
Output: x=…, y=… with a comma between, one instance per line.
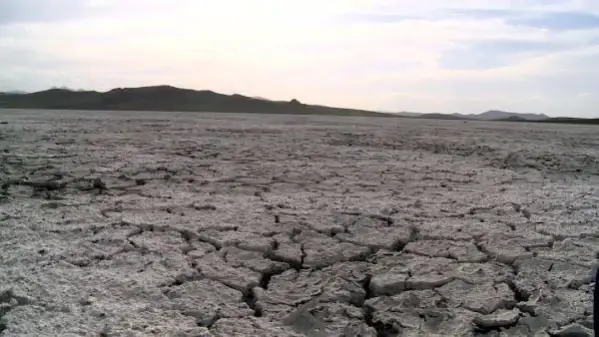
x=149, y=224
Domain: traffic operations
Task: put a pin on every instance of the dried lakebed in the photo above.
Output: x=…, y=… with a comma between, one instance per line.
x=149, y=224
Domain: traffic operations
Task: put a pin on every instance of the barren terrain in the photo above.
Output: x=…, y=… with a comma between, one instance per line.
x=189, y=225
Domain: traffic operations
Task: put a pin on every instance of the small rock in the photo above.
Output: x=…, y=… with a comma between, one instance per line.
x=517, y=207
x=99, y=184
x=88, y=300
x=204, y=207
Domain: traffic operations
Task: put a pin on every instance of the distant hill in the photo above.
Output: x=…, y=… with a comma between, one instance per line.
x=503, y=115
x=261, y=98
x=497, y=114
x=571, y=120
x=513, y=119
x=407, y=114
x=442, y=116
x=13, y=92
x=166, y=98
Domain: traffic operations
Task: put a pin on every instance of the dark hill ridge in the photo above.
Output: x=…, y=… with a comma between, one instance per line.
x=168, y=98
x=165, y=98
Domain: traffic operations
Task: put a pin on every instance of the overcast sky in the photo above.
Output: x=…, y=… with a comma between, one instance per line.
x=391, y=55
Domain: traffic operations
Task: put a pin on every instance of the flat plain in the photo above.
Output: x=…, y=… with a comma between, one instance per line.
x=189, y=225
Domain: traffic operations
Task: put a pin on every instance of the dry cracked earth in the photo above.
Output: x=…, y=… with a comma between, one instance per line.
x=201, y=225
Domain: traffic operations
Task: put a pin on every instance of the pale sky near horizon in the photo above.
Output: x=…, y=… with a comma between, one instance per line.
x=403, y=55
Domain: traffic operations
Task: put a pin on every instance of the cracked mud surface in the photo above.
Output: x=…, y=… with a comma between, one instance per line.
x=149, y=224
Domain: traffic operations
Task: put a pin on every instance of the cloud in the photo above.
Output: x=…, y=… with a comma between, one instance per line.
x=44, y=11
x=485, y=13
x=388, y=55
x=485, y=54
x=558, y=20
x=377, y=18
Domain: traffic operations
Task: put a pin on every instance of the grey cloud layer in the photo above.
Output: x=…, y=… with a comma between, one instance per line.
x=42, y=11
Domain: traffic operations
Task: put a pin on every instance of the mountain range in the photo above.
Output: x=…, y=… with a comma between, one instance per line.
x=168, y=98
x=164, y=98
